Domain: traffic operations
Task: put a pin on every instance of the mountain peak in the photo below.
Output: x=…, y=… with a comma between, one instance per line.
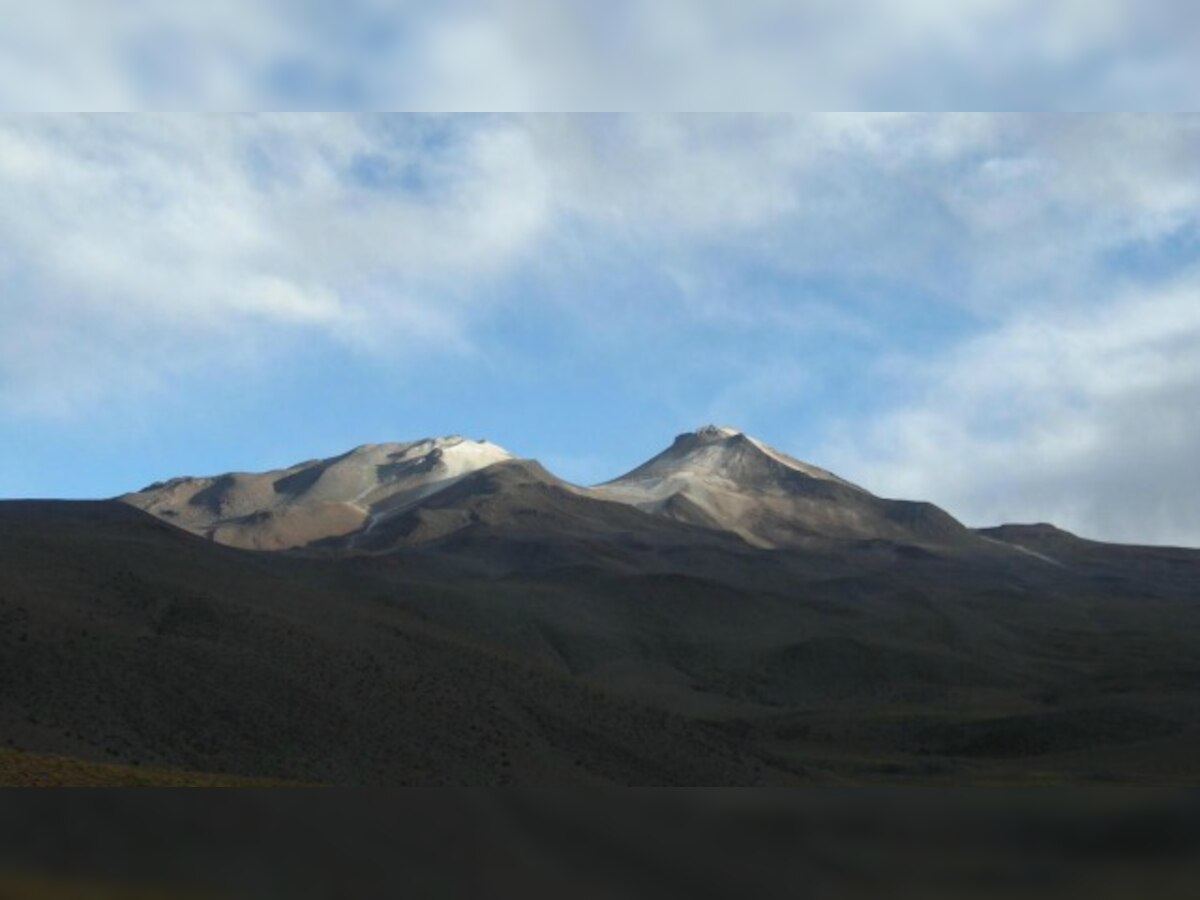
x=718, y=476
x=725, y=454
x=715, y=432
x=320, y=498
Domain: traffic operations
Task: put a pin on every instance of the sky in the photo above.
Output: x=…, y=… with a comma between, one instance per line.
x=999, y=313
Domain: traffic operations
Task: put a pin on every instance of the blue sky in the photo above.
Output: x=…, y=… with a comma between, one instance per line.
x=997, y=313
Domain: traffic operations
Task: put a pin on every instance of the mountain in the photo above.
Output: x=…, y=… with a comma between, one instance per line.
x=380, y=495
x=318, y=500
x=446, y=613
x=719, y=477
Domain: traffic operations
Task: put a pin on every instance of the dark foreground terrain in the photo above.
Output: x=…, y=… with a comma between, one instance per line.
x=549, y=650
x=601, y=845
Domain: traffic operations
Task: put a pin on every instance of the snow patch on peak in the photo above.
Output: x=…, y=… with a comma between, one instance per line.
x=455, y=446
x=463, y=454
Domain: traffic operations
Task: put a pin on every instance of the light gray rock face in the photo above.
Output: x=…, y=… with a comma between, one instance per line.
x=317, y=500
x=721, y=478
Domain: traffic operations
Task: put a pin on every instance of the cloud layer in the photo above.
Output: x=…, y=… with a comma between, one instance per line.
x=549, y=54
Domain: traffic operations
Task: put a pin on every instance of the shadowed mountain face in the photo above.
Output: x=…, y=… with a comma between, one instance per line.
x=517, y=516
x=447, y=614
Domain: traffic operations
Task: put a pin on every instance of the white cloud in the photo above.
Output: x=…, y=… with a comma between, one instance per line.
x=378, y=229
x=1086, y=419
x=831, y=54
x=550, y=54
x=981, y=211
x=170, y=237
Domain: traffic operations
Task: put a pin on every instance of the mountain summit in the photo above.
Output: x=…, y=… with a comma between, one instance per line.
x=319, y=499
x=720, y=477
x=723, y=453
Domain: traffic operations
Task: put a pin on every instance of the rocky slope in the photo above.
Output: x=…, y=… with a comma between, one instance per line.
x=721, y=478
x=343, y=497
x=381, y=495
